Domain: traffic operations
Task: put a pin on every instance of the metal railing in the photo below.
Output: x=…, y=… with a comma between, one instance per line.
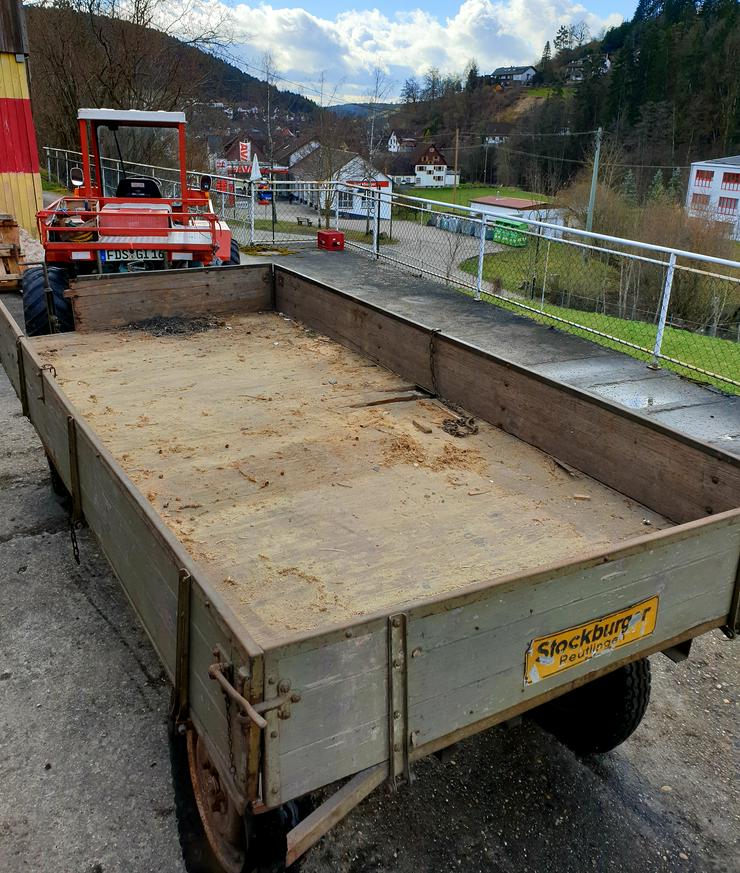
x=671, y=308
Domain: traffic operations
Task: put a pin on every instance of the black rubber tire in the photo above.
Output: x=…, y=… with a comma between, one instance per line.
x=599, y=716
x=266, y=832
x=62, y=496
x=235, y=257
x=34, y=301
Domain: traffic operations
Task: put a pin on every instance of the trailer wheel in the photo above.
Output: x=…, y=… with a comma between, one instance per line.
x=600, y=715
x=214, y=838
x=235, y=257
x=34, y=300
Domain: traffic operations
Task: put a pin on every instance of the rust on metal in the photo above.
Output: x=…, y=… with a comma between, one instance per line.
x=216, y=671
x=182, y=656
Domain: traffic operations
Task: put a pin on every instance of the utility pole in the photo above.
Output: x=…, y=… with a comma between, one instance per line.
x=457, y=152
x=594, y=180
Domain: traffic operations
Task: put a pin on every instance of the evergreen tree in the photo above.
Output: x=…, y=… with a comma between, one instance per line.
x=471, y=76
x=629, y=188
x=675, y=185
x=657, y=189
x=563, y=39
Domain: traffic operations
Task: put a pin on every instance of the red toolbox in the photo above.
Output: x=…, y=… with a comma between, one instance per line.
x=330, y=239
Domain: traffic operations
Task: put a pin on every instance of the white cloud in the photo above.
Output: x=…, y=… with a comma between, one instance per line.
x=348, y=46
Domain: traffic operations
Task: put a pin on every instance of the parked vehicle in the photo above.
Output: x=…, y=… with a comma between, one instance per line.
x=119, y=223
x=341, y=570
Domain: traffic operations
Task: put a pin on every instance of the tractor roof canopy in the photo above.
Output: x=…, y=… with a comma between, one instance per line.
x=133, y=117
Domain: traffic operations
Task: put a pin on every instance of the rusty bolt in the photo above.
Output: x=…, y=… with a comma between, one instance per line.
x=295, y=698
x=273, y=734
x=284, y=686
x=283, y=713
x=396, y=622
x=397, y=662
x=348, y=634
x=396, y=714
x=416, y=652
x=274, y=789
x=396, y=747
x=271, y=680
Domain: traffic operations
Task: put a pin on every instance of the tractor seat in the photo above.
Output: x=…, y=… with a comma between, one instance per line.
x=142, y=187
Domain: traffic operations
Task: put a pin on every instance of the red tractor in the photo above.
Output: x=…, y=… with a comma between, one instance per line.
x=115, y=222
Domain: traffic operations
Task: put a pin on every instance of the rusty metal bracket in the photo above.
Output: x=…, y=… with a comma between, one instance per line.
x=74, y=471
x=679, y=652
x=217, y=672
x=732, y=629
x=182, y=652
x=398, y=702
x=48, y=368
x=22, y=376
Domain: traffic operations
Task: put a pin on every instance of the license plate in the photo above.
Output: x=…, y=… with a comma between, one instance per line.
x=134, y=255
x=547, y=656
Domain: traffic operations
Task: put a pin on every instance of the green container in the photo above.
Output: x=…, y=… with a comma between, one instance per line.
x=509, y=233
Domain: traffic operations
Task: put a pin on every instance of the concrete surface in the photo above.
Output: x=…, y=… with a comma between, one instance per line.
x=84, y=767
x=701, y=412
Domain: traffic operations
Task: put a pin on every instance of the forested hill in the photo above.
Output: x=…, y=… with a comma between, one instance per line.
x=665, y=86
x=78, y=59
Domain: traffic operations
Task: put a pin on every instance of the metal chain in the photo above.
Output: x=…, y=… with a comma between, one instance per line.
x=73, y=538
x=229, y=734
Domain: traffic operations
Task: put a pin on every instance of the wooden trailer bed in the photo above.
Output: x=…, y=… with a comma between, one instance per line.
x=315, y=486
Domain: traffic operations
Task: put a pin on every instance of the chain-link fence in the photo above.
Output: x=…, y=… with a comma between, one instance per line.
x=679, y=310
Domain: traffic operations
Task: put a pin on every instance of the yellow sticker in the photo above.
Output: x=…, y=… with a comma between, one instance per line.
x=554, y=653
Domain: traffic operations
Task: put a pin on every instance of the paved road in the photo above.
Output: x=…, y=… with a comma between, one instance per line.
x=84, y=762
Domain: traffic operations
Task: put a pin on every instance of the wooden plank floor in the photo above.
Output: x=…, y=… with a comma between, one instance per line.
x=307, y=506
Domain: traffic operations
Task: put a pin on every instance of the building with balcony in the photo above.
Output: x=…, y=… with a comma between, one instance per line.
x=714, y=192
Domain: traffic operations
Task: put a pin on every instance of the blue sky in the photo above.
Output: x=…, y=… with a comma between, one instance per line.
x=345, y=43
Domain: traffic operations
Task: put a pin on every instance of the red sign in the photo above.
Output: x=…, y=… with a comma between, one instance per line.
x=368, y=183
x=245, y=151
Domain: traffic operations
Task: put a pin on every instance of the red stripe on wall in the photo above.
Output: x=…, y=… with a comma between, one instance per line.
x=18, y=151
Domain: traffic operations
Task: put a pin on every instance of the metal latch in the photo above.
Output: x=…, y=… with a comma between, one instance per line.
x=252, y=712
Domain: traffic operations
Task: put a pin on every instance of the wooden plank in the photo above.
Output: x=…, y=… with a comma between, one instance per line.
x=393, y=342
x=9, y=333
x=675, y=476
x=105, y=303
x=323, y=819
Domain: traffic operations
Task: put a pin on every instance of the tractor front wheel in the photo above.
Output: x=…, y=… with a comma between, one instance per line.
x=35, y=308
x=235, y=257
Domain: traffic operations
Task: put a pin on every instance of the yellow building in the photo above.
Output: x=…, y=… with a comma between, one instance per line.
x=20, y=184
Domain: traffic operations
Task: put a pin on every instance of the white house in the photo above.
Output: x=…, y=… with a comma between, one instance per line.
x=514, y=208
x=507, y=75
x=355, y=178
x=400, y=142
x=427, y=168
x=714, y=192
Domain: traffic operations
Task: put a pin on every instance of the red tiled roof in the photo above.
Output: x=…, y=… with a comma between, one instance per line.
x=511, y=202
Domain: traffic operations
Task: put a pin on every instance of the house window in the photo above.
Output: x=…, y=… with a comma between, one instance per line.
x=346, y=199
x=438, y=178
x=727, y=205
x=700, y=201
x=731, y=181
x=703, y=178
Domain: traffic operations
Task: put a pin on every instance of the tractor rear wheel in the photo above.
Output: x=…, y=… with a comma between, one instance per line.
x=35, y=311
x=235, y=257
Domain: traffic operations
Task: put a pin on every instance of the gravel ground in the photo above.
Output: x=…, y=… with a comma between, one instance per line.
x=85, y=774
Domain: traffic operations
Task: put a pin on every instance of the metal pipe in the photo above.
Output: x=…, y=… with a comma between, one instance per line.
x=663, y=311
x=481, y=256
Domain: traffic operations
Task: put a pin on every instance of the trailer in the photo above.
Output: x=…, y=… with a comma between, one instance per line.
x=355, y=540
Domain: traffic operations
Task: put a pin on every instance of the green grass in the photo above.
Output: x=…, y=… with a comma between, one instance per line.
x=513, y=267
x=543, y=91
x=48, y=185
x=468, y=192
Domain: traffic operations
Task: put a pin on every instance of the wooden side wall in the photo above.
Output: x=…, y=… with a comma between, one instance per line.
x=674, y=475
x=110, y=301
